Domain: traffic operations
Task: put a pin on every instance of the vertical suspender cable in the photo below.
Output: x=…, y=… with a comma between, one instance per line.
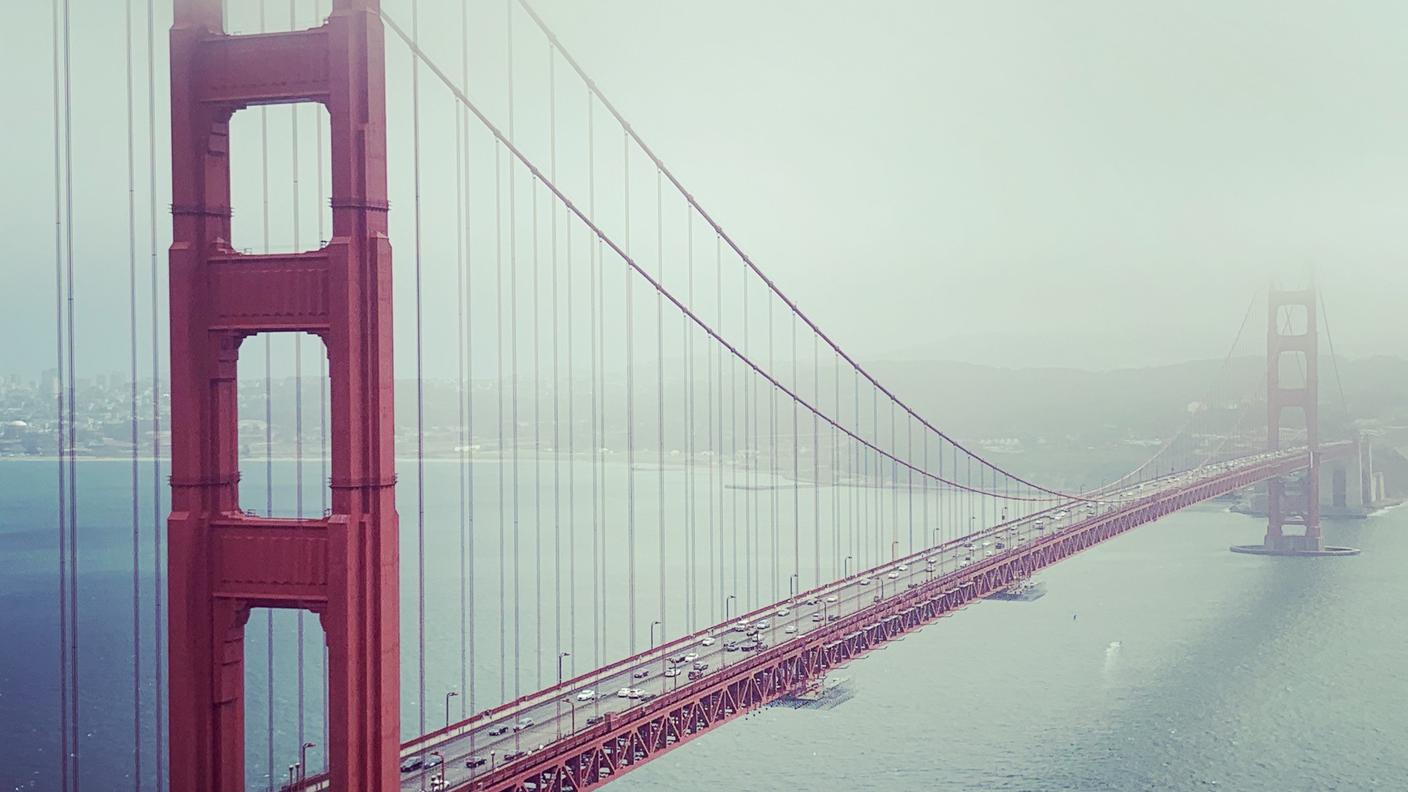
x=71, y=426
x=420, y=380
x=60, y=415
x=660, y=399
x=715, y=563
x=132, y=373
x=468, y=682
x=598, y=560
x=537, y=443
x=686, y=337
x=268, y=437
x=796, y=471
x=513, y=370
x=556, y=382
x=499, y=415
x=323, y=389
x=158, y=672
x=461, y=447
x=630, y=410
x=297, y=399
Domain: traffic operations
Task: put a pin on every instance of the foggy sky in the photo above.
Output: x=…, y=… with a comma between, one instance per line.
x=1091, y=184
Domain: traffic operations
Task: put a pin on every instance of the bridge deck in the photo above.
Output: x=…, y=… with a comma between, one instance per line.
x=563, y=752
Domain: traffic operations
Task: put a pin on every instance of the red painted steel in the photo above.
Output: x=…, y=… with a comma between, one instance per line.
x=224, y=562
x=594, y=756
x=1306, y=511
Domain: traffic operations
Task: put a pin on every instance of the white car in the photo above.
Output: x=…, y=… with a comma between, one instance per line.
x=691, y=657
x=636, y=693
x=762, y=624
x=707, y=642
x=809, y=601
x=741, y=624
x=791, y=628
x=623, y=693
x=865, y=581
x=672, y=671
x=893, y=576
x=832, y=598
x=783, y=611
x=902, y=568
x=586, y=695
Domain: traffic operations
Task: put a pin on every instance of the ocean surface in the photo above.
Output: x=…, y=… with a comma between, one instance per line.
x=1157, y=661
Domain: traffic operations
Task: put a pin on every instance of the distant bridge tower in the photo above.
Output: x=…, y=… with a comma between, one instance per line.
x=1300, y=343
x=223, y=562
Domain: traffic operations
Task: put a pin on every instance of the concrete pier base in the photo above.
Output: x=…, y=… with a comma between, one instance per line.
x=1293, y=549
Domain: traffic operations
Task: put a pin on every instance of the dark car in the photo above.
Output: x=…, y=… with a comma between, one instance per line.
x=511, y=755
x=595, y=719
x=412, y=763
x=696, y=675
x=498, y=731
x=434, y=760
x=476, y=761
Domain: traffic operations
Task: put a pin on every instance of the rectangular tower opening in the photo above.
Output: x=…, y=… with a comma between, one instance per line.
x=280, y=178
x=285, y=708
x=248, y=17
x=284, y=431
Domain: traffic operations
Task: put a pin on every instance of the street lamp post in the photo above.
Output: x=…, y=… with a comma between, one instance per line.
x=560, y=657
x=846, y=566
x=292, y=775
x=728, y=601
x=303, y=760
x=449, y=696
x=573, y=705
x=652, y=648
x=793, y=583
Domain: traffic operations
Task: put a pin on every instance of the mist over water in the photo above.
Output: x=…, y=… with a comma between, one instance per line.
x=1156, y=661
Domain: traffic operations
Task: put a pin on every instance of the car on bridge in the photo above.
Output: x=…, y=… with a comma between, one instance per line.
x=783, y=612
x=475, y=761
x=524, y=722
x=893, y=576
x=672, y=671
x=833, y=598
x=586, y=695
x=641, y=674
x=498, y=731
x=865, y=581
x=708, y=641
x=412, y=763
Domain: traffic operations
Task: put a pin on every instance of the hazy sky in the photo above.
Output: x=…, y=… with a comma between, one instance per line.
x=1085, y=183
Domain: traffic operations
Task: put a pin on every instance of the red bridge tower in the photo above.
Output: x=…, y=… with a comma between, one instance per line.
x=222, y=562
x=1281, y=509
